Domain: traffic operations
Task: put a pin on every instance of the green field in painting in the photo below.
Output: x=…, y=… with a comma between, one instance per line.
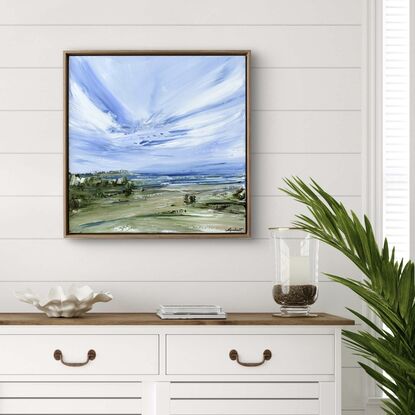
x=187, y=208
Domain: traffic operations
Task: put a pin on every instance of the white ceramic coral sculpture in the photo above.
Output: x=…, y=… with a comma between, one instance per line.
x=73, y=303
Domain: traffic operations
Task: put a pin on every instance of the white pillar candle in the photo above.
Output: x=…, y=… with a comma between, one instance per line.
x=299, y=271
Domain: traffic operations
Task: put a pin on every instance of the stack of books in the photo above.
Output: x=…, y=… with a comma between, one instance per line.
x=190, y=312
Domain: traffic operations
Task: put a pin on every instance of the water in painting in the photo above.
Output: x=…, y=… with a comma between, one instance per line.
x=157, y=144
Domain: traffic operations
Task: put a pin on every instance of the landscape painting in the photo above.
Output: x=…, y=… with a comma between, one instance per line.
x=156, y=144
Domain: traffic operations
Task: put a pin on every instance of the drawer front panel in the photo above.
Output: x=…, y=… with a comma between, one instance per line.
x=244, y=390
x=70, y=406
x=245, y=407
x=209, y=354
x=58, y=389
x=115, y=354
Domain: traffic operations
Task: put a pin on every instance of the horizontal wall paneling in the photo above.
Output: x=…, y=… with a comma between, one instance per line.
x=243, y=260
x=275, y=89
x=187, y=12
x=272, y=46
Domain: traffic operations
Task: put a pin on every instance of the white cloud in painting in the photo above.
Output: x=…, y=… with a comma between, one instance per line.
x=165, y=114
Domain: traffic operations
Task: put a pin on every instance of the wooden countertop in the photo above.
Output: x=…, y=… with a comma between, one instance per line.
x=148, y=319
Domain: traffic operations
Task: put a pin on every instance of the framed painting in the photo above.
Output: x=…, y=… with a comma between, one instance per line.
x=157, y=143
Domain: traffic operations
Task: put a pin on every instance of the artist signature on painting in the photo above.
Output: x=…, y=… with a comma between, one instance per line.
x=234, y=230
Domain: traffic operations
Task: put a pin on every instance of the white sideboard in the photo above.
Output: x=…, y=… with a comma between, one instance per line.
x=249, y=364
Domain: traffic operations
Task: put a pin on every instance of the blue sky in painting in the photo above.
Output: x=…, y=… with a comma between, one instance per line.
x=157, y=114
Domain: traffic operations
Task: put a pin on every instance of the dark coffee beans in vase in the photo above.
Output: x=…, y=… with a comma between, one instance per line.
x=295, y=295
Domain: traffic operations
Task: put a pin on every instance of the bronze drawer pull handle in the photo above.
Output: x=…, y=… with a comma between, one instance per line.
x=58, y=356
x=233, y=354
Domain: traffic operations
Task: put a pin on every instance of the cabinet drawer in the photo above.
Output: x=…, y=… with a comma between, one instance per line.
x=70, y=406
x=115, y=354
x=59, y=390
x=209, y=354
x=244, y=390
x=245, y=407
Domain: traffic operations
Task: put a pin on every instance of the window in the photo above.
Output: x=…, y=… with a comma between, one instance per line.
x=396, y=142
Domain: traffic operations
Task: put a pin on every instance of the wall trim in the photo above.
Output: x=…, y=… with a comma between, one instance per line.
x=372, y=154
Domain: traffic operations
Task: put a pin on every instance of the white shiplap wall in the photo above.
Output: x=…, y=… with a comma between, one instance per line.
x=306, y=120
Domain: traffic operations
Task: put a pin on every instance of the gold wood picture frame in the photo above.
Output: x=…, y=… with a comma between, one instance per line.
x=157, y=144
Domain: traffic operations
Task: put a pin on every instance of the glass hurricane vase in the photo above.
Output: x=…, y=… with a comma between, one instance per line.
x=296, y=271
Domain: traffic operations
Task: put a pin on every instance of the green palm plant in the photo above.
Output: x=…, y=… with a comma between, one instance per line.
x=388, y=288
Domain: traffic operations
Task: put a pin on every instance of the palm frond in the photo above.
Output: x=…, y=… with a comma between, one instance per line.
x=388, y=288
